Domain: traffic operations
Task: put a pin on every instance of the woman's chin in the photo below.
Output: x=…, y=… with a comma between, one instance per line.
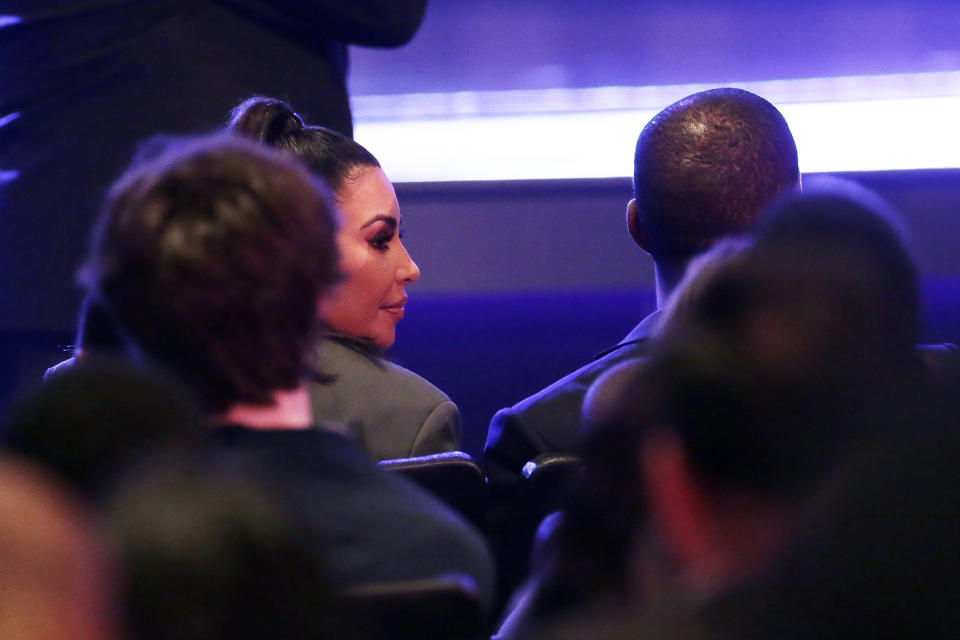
x=384, y=343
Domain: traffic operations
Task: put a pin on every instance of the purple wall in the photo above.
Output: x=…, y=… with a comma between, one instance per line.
x=535, y=44
x=522, y=282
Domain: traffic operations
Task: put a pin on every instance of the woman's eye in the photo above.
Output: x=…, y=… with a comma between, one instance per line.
x=381, y=241
x=384, y=236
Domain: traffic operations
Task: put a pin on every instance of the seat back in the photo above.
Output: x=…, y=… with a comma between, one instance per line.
x=454, y=477
x=547, y=478
x=446, y=607
x=546, y=481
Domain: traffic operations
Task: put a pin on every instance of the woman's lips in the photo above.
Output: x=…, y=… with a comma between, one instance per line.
x=395, y=309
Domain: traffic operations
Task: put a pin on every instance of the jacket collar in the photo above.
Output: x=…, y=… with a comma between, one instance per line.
x=639, y=333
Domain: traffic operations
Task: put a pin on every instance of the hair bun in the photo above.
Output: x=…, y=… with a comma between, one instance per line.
x=264, y=119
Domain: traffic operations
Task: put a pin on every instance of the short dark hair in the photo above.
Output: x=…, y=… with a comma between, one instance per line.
x=844, y=227
x=207, y=552
x=211, y=258
x=706, y=165
x=89, y=424
x=795, y=354
x=784, y=365
x=328, y=154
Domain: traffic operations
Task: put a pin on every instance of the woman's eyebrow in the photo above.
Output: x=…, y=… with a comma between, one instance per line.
x=390, y=220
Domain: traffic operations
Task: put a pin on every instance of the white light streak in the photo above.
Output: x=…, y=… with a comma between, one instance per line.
x=858, y=123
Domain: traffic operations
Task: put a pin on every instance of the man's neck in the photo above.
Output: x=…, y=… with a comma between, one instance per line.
x=668, y=272
x=290, y=410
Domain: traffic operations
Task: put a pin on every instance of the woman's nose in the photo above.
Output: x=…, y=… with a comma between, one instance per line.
x=407, y=271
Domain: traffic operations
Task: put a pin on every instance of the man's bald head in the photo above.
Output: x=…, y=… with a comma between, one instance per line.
x=705, y=166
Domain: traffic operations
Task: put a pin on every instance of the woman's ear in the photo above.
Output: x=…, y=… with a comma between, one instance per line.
x=633, y=225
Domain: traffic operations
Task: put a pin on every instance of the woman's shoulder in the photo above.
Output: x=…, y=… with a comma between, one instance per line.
x=352, y=364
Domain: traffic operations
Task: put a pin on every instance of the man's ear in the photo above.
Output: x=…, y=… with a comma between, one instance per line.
x=679, y=509
x=633, y=225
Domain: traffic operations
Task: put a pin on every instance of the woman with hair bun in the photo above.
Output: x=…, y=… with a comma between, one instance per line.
x=393, y=412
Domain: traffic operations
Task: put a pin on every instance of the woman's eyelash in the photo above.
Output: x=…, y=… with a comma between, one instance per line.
x=381, y=241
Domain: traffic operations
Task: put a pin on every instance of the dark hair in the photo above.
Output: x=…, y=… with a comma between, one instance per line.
x=773, y=378
x=879, y=561
x=209, y=554
x=91, y=423
x=211, y=259
x=792, y=345
x=706, y=165
x=328, y=154
x=843, y=227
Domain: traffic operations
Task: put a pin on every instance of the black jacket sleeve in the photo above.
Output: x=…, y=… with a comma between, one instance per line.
x=370, y=23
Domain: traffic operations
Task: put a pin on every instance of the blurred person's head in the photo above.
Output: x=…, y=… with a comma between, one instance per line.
x=54, y=578
x=205, y=554
x=211, y=257
x=699, y=273
x=780, y=371
x=879, y=561
x=700, y=462
x=89, y=424
x=704, y=167
x=376, y=266
x=848, y=232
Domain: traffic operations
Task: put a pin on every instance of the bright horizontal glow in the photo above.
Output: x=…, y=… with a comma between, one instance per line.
x=6, y=21
x=866, y=124
x=876, y=135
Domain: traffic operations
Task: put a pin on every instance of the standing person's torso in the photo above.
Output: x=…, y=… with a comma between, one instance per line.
x=84, y=82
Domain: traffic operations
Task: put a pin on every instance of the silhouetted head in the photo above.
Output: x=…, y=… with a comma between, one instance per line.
x=854, y=238
x=879, y=560
x=211, y=258
x=699, y=274
x=206, y=554
x=785, y=362
x=91, y=423
x=704, y=167
x=797, y=350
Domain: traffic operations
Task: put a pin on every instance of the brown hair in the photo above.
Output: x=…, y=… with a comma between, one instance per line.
x=210, y=259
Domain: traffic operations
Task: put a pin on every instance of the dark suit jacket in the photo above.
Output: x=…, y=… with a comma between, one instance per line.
x=391, y=411
x=942, y=363
x=84, y=81
x=546, y=422
x=369, y=525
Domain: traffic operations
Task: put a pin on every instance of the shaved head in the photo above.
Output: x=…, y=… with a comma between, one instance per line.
x=705, y=166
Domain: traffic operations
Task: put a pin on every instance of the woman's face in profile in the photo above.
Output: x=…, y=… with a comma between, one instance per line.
x=376, y=267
